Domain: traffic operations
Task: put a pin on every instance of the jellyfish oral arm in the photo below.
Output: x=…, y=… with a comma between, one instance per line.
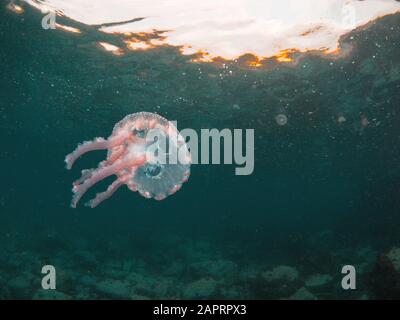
x=96, y=144
x=100, y=197
x=90, y=178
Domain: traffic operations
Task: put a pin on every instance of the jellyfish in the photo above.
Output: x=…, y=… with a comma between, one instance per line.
x=146, y=153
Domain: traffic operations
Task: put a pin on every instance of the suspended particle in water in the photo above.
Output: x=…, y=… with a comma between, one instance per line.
x=281, y=119
x=364, y=121
x=341, y=119
x=133, y=156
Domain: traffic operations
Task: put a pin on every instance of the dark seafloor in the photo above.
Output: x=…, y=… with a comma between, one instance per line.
x=325, y=192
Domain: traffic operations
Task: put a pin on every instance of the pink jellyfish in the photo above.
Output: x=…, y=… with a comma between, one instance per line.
x=141, y=154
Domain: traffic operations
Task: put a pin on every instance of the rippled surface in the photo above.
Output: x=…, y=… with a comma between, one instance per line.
x=228, y=29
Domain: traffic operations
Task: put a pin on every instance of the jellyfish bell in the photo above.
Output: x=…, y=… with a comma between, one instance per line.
x=145, y=151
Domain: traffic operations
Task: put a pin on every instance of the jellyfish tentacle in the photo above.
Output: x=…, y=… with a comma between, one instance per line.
x=100, y=197
x=96, y=144
x=79, y=189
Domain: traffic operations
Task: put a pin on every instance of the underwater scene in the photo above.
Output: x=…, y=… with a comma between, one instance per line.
x=303, y=202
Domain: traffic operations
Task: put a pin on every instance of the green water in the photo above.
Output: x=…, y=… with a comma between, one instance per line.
x=323, y=193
